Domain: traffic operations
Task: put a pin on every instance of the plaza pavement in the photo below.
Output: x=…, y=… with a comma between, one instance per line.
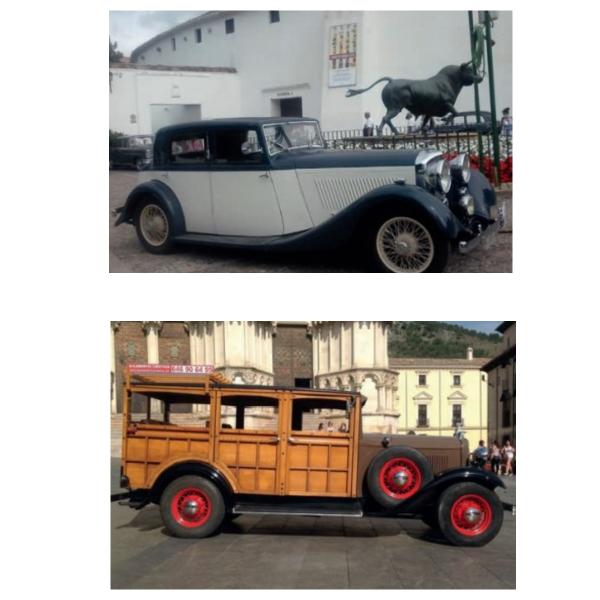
x=280, y=552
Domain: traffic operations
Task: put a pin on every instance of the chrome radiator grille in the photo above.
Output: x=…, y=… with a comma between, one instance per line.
x=336, y=193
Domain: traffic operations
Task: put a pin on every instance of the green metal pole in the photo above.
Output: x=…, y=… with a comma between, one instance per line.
x=488, y=44
x=476, y=87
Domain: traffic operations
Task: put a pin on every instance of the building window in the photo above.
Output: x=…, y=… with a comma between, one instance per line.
x=457, y=415
x=302, y=382
x=456, y=380
x=158, y=49
x=274, y=16
x=198, y=36
x=422, y=420
x=173, y=44
x=229, y=26
x=422, y=379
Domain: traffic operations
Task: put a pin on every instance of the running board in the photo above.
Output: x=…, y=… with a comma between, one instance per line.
x=300, y=509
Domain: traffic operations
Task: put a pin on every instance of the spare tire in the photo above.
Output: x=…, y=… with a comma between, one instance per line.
x=397, y=474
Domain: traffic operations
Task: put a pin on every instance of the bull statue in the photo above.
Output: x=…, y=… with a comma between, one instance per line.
x=433, y=97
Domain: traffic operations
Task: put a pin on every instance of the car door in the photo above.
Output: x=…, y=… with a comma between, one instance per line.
x=243, y=196
x=247, y=440
x=187, y=173
x=321, y=453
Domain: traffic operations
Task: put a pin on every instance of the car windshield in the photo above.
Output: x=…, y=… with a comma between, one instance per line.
x=285, y=136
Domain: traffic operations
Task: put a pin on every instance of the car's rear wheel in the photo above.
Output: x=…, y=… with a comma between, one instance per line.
x=153, y=226
x=469, y=514
x=139, y=164
x=192, y=507
x=397, y=474
x=407, y=243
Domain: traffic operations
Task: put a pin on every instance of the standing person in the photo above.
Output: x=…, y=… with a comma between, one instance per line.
x=368, y=126
x=508, y=452
x=321, y=427
x=506, y=123
x=330, y=428
x=495, y=457
x=480, y=455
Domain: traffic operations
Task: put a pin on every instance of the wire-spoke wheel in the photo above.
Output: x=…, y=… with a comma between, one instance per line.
x=405, y=245
x=153, y=227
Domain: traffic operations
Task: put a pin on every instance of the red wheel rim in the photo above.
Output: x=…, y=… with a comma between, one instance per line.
x=400, y=478
x=191, y=507
x=471, y=515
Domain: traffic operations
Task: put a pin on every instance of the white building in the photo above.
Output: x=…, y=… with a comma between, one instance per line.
x=301, y=63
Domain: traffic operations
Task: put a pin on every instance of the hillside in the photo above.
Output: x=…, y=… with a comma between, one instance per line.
x=434, y=339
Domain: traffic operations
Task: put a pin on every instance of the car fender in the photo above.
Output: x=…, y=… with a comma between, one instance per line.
x=430, y=492
x=340, y=228
x=161, y=192
x=219, y=475
x=483, y=193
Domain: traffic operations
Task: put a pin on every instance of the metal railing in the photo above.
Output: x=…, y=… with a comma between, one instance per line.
x=342, y=139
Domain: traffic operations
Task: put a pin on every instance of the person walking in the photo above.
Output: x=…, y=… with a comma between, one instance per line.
x=368, y=126
x=495, y=457
x=508, y=453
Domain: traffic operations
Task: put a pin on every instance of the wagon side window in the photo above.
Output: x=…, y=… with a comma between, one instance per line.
x=188, y=149
x=321, y=416
x=178, y=410
x=236, y=147
x=249, y=413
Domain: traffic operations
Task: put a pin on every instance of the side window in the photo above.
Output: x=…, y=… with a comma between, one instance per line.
x=188, y=149
x=176, y=410
x=321, y=416
x=249, y=413
x=236, y=147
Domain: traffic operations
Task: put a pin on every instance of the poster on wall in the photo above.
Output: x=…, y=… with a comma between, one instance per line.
x=342, y=55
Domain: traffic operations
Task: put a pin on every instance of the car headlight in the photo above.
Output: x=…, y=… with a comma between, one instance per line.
x=442, y=176
x=468, y=204
x=460, y=167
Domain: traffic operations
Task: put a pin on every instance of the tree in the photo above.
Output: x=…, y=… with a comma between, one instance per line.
x=114, y=56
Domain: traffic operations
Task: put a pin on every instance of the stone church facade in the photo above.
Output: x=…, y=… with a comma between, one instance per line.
x=349, y=355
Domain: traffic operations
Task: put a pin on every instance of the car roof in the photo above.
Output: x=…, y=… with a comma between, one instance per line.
x=239, y=121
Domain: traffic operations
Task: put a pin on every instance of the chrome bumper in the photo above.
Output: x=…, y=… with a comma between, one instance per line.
x=464, y=247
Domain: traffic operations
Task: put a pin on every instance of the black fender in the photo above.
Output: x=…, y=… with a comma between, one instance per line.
x=483, y=193
x=442, y=481
x=192, y=468
x=343, y=226
x=159, y=191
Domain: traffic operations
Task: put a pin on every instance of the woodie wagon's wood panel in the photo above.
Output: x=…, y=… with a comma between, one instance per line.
x=149, y=446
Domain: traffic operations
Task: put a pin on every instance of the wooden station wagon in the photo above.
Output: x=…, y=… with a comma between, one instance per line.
x=206, y=450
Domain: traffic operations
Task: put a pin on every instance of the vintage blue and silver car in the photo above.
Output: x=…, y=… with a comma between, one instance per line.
x=271, y=184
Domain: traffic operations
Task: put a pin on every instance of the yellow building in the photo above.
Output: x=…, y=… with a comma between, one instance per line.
x=438, y=394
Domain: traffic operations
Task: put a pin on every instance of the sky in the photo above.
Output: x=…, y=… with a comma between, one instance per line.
x=482, y=326
x=131, y=28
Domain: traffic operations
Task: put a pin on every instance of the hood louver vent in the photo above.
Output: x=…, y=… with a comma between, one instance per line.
x=336, y=193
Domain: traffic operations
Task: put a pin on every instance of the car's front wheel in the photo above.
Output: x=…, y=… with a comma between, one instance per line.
x=153, y=226
x=192, y=507
x=407, y=243
x=469, y=514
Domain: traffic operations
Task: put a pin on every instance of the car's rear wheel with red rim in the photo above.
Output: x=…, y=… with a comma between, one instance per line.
x=469, y=514
x=397, y=474
x=192, y=507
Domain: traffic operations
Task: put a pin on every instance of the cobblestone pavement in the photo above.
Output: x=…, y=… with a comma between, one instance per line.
x=127, y=256
x=278, y=552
